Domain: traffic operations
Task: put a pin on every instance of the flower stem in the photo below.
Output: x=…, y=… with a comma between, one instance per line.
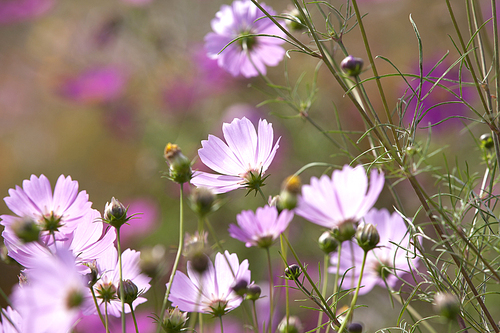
x=133, y=317
x=323, y=290
x=271, y=286
x=106, y=322
x=177, y=259
x=97, y=305
x=256, y=321
x=355, y=298
x=122, y=289
x=221, y=326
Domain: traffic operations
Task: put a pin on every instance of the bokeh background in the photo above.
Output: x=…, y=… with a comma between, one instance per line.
x=96, y=89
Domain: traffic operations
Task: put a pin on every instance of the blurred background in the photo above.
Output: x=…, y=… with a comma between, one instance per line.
x=96, y=89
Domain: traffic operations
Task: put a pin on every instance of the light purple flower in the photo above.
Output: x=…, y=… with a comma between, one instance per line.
x=13, y=11
x=88, y=242
x=243, y=159
x=345, y=197
x=211, y=291
x=391, y=259
x=60, y=211
x=262, y=228
x=242, y=18
x=15, y=318
x=54, y=296
x=109, y=274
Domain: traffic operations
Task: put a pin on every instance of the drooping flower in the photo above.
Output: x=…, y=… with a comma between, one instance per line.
x=58, y=213
x=241, y=160
x=345, y=197
x=250, y=54
x=107, y=285
x=385, y=264
x=210, y=292
x=87, y=243
x=260, y=228
x=53, y=299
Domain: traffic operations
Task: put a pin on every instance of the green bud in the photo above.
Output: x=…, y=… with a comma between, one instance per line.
x=240, y=287
x=253, y=292
x=327, y=242
x=93, y=276
x=292, y=325
x=293, y=272
x=486, y=141
x=295, y=21
x=447, y=305
x=130, y=291
x=367, y=236
x=180, y=166
x=152, y=260
x=202, y=201
x=345, y=231
x=115, y=213
x=289, y=194
x=26, y=229
x=352, y=66
x=174, y=321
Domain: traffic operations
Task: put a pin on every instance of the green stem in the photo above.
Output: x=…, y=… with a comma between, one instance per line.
x=106, y=321
x=355, y=298
x=122, y=289
x=271, y=286
x=263, y=196
x=177, y=259
x=133, y=317
x=323, y=290
x=97, y=305
x=221, y=326
x=336, y=284
x=256, y=321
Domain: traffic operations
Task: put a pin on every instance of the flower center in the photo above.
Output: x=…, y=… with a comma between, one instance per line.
x=383, y=270
x=51, y=222
x=74, y=299
x=247, y=40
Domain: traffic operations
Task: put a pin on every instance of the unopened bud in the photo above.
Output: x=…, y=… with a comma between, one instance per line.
x=367, y=236
x=293, y=272
x=447, y=305
x=180, y=166
x=152, y=260
x=198, y=261
x=291, y=324
x=345, y=231
x=130, y=291
x=355, y=328
x=327, y=242
x=295, y=20
x=486, y=141
x=240, y=287
x=115, y=213
x=289, y=193
x=26, y=229
x=93, y=276
x=253, y=292
x=174, y=321
x=351, y=65
x=202, y=201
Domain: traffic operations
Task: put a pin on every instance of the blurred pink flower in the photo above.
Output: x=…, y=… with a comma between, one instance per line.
x=137, y=2
x=9, y=317
x=95, y=85
x=13, y=11
x=251, y=54
x=146, y=213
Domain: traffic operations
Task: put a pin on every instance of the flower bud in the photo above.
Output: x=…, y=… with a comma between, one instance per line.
x=327, y=242
x=351, y=65
x=26, y=229
x=198, y=261
x=295, y=21
x=152, y=260
x=355, y=328
x=367, y=236
x=202, y=201
x=447, y=305
x=174, y=321
x=292, y=325
x=486, y=141
x=115, y=213
x=293, y=272
x=180, y=166
x=253, y=292
x=240, y=287
x=345, y=231
x=130, y=291
x=93, y=276
x=289, y=193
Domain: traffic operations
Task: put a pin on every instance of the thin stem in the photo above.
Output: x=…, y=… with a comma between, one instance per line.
x=97, y=305
x=336, y=284
x=177, y=258
x=106, y=321
x=221, y=326
x=271, y=287
x=323, y=290
x=263, y=196
x=122, y=289
x=256, y=321
x=133, y=317
x=355, y=298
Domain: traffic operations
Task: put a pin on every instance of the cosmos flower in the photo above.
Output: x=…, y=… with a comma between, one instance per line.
x=345, y=197
x=211, y=291
x=392, y=258
x=54, y=296
x=58, y=213
x=15, y=318
x=109, y=280
x=241, y=161
x=250, y=54
x=260, y=228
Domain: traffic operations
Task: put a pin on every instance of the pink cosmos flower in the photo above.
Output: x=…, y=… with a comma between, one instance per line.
x=13, y=11
x=211, y=291
x=15, y=318
x=109, y=276
x=392, y=258
x=251, y=54
x=59, y=212
x=241, y=161
x=262, y=228
x=54, y=296
x=88, y=242
x=343, y=198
